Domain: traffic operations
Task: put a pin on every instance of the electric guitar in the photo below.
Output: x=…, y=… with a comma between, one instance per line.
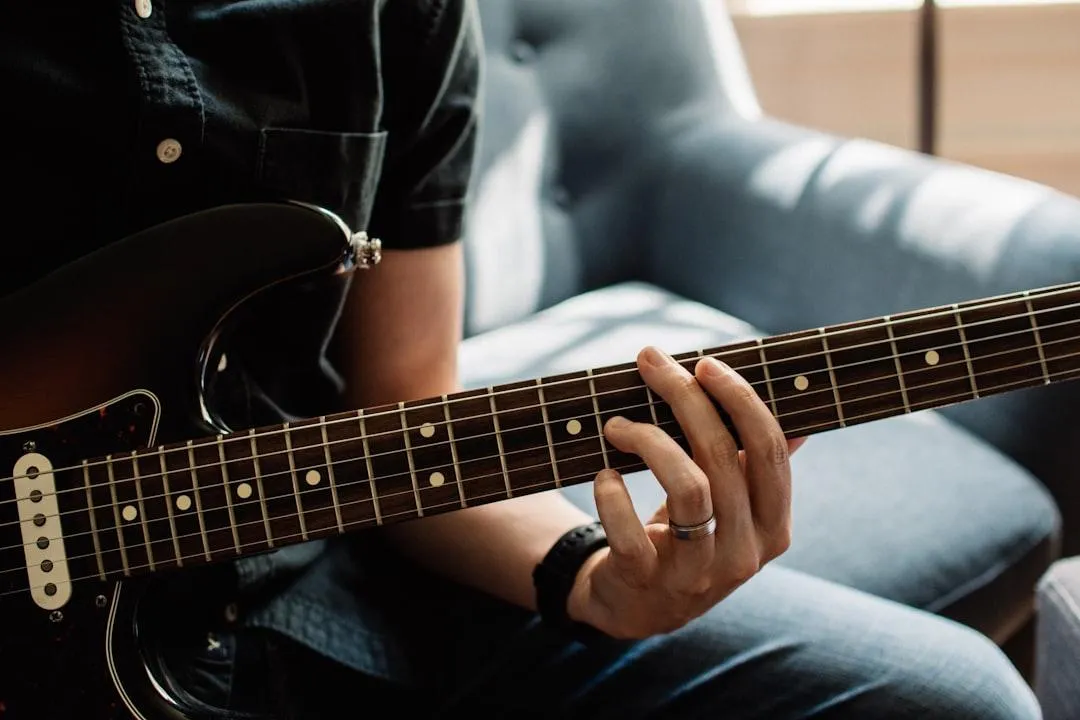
x=116, y=465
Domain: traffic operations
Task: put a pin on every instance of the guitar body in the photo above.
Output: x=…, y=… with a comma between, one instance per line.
x=120, y=351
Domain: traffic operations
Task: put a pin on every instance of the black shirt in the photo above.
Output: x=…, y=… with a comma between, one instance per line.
x=119, y=114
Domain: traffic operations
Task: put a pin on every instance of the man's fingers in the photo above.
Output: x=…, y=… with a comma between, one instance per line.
x=689, y=501
x=711, y=443
x=767, y=452
x=688, y=498
x=631, y=549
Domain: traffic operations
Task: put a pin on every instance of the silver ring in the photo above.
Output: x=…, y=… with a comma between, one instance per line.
x=693, y=532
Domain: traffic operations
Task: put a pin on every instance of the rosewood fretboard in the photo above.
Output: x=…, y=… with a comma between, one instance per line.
x=219, y=498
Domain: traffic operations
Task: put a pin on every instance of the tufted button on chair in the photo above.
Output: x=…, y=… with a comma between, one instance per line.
x=631, y=191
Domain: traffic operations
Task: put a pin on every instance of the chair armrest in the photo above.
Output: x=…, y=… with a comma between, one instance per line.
x=1057, y=641
x=789, y=229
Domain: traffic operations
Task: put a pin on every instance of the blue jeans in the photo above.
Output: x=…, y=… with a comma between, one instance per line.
x=784, y=646
x=891, y=523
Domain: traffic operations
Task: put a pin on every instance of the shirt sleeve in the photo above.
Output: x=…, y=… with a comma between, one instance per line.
x=432, y=115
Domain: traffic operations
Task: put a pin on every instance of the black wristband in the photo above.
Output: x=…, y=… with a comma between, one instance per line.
x=554, y=577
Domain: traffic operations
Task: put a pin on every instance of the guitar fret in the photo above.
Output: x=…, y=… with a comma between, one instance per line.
x=240, y=484
x=1057, y=318
x=797, y=359
x=142, y=508
x=295, y=484
x=453, y=449
x=151, y=504
x=169, y=506
x=652, y=405
x=259, y=486
x=619, y=390
x=331, y=474
x=864, y=370
x=1038, y=337
x=1002, y=344
x=350, y=480
x=177, y=476
x=409, y=456
x=212, y=500
x=428, y=436
x=93, y=520
x=370, y=470
x=577, y=443
x=198, y=500
x=896, y=362
x=523, y=433
x=599, y=425
x=307, y=452
x=768, y=379
x=228, y=495
x=967, y=353
x=116, y=514
x=931, y=358
x=547, y=432
x=391, y=475
x=499, y=442
x=481, y=460
x=832, y=377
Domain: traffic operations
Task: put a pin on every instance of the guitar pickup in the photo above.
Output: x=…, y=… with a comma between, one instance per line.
x=42, y=534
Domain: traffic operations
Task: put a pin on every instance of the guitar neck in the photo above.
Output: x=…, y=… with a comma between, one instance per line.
x=219, y=498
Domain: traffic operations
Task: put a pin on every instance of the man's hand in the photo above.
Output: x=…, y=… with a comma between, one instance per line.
x=648, y=581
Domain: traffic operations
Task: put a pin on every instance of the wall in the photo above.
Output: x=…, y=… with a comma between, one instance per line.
x=1009, y=80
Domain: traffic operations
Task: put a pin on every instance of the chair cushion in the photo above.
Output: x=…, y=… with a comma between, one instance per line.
x=911, y=508
x=1057, y=681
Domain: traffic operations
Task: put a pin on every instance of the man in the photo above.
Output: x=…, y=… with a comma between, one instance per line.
x=130, y=112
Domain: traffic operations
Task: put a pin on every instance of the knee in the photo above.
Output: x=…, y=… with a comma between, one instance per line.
x=960, y=674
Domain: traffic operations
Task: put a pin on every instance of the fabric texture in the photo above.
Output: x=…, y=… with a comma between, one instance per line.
x=1058, y=641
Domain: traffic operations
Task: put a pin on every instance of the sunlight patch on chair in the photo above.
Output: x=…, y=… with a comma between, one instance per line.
x=505, y=252
x=872, y=211
x=860, y=159
x=692, y=314
x=603, y=327
x=783, y=177
x=940, y=218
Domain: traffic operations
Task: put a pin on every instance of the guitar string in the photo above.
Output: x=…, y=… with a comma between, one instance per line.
x=123, y=460
x=548, y=484
x=244, y=436
x=429, y=489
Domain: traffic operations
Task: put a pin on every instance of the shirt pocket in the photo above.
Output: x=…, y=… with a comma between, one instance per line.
x=337, y=171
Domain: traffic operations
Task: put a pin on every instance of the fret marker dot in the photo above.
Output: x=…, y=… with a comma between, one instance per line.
x=436, y=479
x=932, y=357
x=427, y=430
x=183, y=503
x=243, y=491
x=573, y=427
x=312, y=478
x=801, y=383
x=129, y=512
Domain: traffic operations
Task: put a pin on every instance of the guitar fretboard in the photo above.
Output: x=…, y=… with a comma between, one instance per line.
x=219, y=498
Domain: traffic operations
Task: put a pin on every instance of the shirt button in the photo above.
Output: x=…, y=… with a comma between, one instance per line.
x=143, y=8
x=168, y=151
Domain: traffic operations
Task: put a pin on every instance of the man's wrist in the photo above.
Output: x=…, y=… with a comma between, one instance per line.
x=561, y=579
x=581, y=603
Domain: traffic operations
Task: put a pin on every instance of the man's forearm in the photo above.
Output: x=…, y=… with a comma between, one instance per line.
x=493, y=547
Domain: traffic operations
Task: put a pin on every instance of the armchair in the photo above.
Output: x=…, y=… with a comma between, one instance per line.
x=631, y=191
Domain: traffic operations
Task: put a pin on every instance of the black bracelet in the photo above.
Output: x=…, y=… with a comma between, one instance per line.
x=554, y=578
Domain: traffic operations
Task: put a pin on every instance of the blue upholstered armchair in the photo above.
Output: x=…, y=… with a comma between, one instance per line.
x=631, y=191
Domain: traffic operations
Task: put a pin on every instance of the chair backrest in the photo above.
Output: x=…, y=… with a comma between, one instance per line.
x=577, y=95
